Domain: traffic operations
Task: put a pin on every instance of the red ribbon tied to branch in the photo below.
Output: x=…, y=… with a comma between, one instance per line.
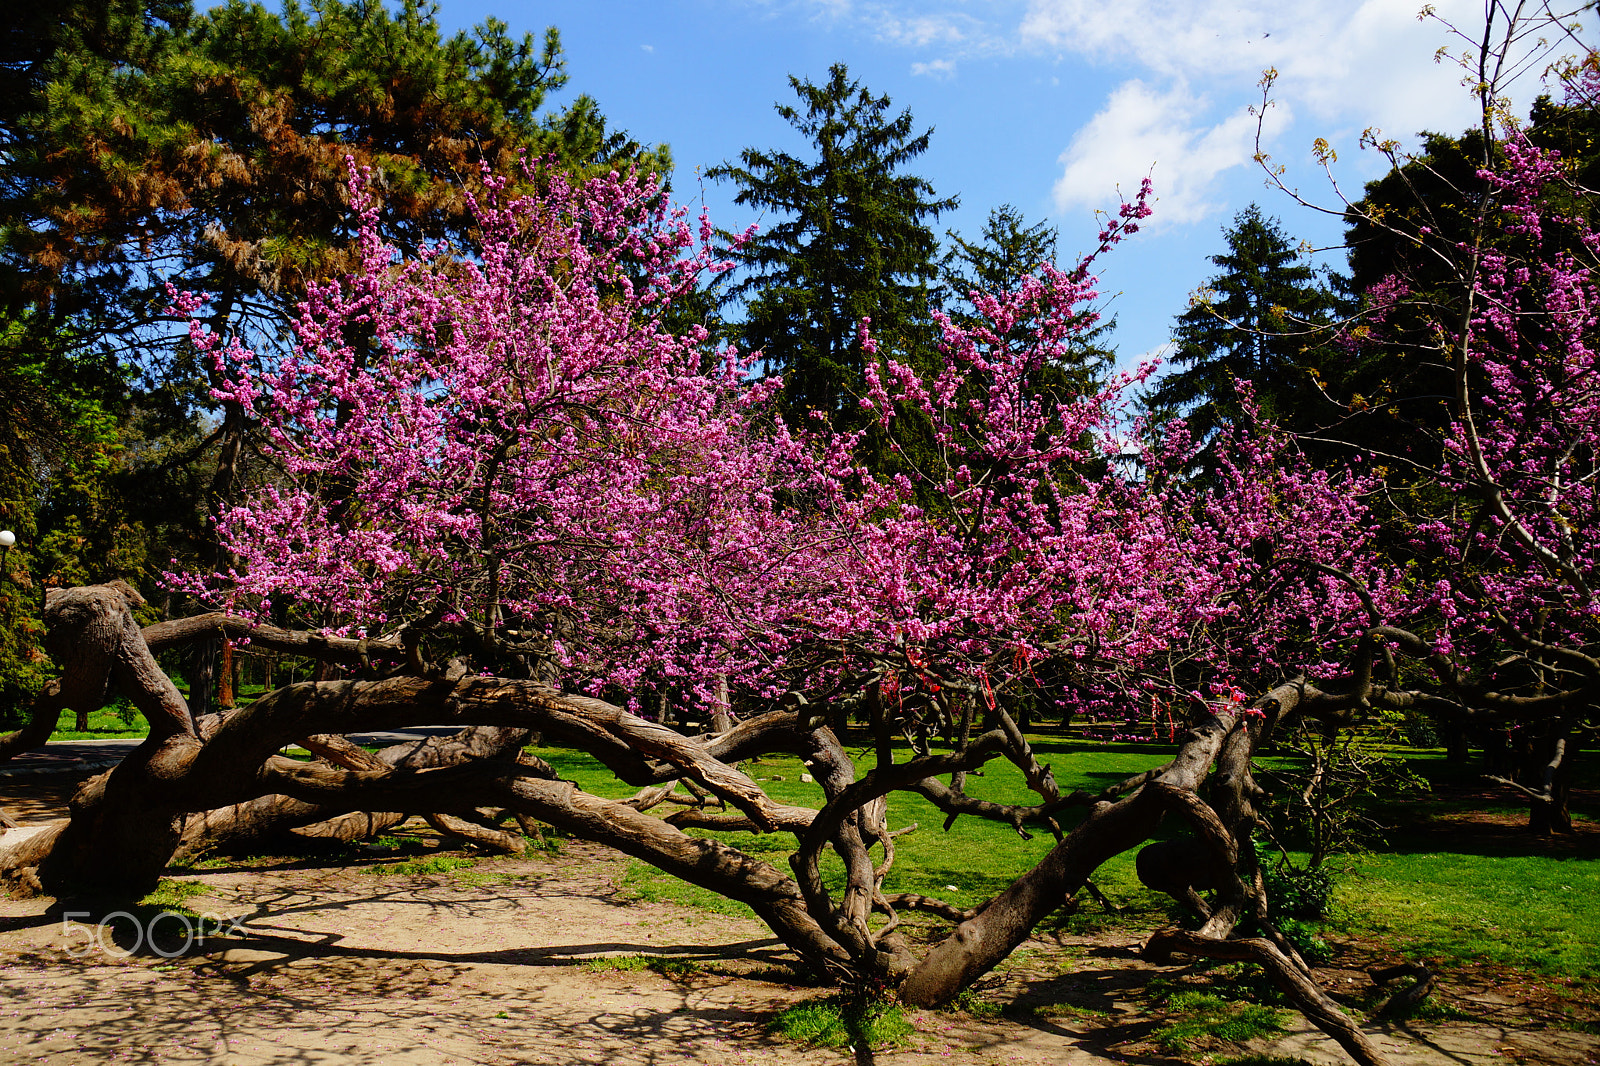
x=914, y=657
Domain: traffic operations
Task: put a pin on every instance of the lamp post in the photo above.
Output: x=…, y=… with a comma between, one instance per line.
x=8, y=540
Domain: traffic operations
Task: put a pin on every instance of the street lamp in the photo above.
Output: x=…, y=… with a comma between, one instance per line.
x=8, y=540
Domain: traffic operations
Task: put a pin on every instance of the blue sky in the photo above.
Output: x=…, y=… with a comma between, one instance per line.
x=1049, y=105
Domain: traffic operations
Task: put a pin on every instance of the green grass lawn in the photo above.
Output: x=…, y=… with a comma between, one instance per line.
x=976, y=857
x=118, y=720
x=1514, y=902
x=1442, y=897
x=1530, y=911
x=1443, y=892
x=122, y=719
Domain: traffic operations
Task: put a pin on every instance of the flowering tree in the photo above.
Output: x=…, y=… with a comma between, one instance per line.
x=501, y=457
x=1498, y=612
x=506, y=457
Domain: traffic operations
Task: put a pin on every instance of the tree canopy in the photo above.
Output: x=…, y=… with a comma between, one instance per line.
x=850, y=239
x=506, y=491
x=149, y=148
x=1266, y=319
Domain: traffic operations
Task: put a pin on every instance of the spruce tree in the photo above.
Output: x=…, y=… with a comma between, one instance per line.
x=1264, y=319
x=1009, y=249
x=851, y=240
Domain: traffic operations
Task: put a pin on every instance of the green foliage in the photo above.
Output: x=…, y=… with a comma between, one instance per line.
x=218, y=144
x=1293, y=892
x=68, y=461
x=1265, y=319
x=127, y=714
x=142, y=144
x=675, y=969
x=851, y=240
x=1419, y=730
x=1397, y=388
x=1325, y=794
x=1008, y=250
x=1306, y=938
x=971, y=1001
x=845, y=1022
x=1205, y=1020
x=172, y=894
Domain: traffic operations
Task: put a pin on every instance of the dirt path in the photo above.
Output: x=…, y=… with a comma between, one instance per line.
x=339, y=964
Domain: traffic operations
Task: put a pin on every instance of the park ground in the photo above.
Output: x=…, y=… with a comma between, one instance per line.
x=409, y=953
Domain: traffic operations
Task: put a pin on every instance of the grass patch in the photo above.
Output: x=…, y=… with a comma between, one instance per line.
x=845, y=1021
x=1204, y=1020
x=118, y=720
x=1242, y=982
x=433, y=864
x=980, y=859
x=643, y=883
x=1025, y=1011
x=1532, y=912
x=970, y=1001
x=172, y=894
x=672, y=968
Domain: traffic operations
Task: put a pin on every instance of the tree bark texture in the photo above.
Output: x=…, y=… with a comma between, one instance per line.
x=194, y=783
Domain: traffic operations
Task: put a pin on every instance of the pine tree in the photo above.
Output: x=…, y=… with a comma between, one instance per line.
x=1008, y=250
x=1265, y=319
x=852, y=241
x=146, y=145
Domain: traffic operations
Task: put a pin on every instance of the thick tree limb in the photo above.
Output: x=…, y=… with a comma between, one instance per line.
x=482, y=836
x=979, y=943
x=1311, y=1001
x=310, y=645
x=42, y=718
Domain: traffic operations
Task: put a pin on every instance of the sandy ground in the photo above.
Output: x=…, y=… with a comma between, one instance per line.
x=338, y=964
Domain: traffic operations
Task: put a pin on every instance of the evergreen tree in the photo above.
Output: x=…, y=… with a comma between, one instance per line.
x=1008, y=250
x=1398, y=386
x=852, y=241
x=215, y=156
x=1265, y=319
x=145, y=145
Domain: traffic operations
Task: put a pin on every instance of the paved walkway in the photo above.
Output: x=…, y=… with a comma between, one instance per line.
x=89, y=756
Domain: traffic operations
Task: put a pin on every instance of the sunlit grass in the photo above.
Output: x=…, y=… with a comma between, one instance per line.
x=972, y=862
x=1533, y=912
x=845, y=1021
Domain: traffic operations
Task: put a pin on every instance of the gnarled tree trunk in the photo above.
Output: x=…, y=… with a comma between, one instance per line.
x=222, y=775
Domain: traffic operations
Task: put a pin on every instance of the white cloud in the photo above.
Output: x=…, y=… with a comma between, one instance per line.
x=953, y=29
x=921, y=31
x=1180, y=76
x=647, y=47
x=1341, y=67
x=1143, y=130
x=938, y=68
